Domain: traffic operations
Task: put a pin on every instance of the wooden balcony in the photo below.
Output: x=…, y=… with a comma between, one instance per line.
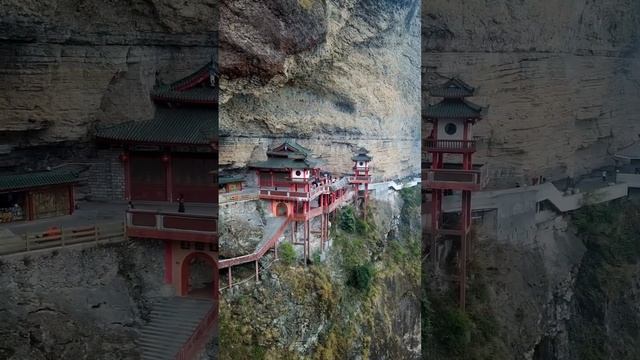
x=269, y=193
x=453, y=179
x=450, y=146
x=151, y=224
x=360, y=179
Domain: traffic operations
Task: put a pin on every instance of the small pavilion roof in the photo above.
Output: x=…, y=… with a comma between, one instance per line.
x=362, y=155
x=453, y=88
x=289, y=147
x=230, y=179
x=188, y=126
x=285, y=163
x=455, y=108
x=287, y=155
x=38, y=179
x=195, y=88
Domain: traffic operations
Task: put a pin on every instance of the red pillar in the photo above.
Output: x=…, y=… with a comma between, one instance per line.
x=72, y=202
x=169, y=177
x=127, y=175
x=30, y=214
x=168, y=262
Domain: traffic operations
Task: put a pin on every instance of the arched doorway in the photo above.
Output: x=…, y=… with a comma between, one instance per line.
x=281, y=209
x=199, y=276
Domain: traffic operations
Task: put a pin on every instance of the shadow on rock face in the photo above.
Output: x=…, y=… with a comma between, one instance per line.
x=256, y=37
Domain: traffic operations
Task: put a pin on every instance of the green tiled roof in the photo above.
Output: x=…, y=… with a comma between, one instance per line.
x=229, y=179
x=189, y=126
x=453, y=88
x=284, y=163
x=37, y=179
x=454, y=108
x=193, y=88
x=287, y=155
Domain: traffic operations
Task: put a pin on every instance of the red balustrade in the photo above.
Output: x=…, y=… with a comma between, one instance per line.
x=171, y=226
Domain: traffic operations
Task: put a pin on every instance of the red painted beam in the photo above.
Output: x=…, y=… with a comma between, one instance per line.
x=146, y=233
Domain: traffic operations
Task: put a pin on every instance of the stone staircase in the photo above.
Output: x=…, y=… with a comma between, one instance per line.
x=173, y=321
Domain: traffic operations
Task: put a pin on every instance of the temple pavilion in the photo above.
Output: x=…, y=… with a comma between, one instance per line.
x=287, y=175
x=37, y=195
x=174, y=153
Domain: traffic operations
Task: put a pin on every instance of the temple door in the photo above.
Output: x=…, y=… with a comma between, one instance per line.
x=148, y=178
x=193, y=179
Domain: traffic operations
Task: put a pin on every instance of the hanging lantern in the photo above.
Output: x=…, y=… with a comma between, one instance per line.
x=165, y=158
x=123, y=157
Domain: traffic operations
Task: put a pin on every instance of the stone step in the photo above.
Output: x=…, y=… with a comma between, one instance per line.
x=171, y=322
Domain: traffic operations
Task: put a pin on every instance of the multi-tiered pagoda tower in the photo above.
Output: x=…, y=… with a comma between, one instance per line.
x=361, y=175
x=449, y=152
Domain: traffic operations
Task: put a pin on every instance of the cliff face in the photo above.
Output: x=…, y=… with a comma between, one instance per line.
x=566, y=290
x=67, y=65
x=337, y=74
x=320, y=311
x=561, y=79
x=78, y=303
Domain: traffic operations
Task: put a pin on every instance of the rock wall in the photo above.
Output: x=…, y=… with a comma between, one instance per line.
x=78, y=303
x=106, y=179
x=561, y=79
x=337, y=74
x=69, y=65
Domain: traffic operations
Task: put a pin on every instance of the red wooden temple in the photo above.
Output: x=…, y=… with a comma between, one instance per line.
x=175, y=152
x=451, y=139
x=229, y=184
x=291, y=181
x=37, y=195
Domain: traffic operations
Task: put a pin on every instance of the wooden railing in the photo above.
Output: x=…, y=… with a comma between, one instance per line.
x=360, y=179
x=62, y=237
x=200, y=337
x=238, y=197
x=450, y=145
x=258, y=253
x=171, y=226
x=284, y=194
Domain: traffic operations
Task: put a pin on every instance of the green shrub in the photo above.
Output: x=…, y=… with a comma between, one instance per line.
x=347, y=220
x=287, y=253
x=361, y=277
x=452, y=330
x=316, y=257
